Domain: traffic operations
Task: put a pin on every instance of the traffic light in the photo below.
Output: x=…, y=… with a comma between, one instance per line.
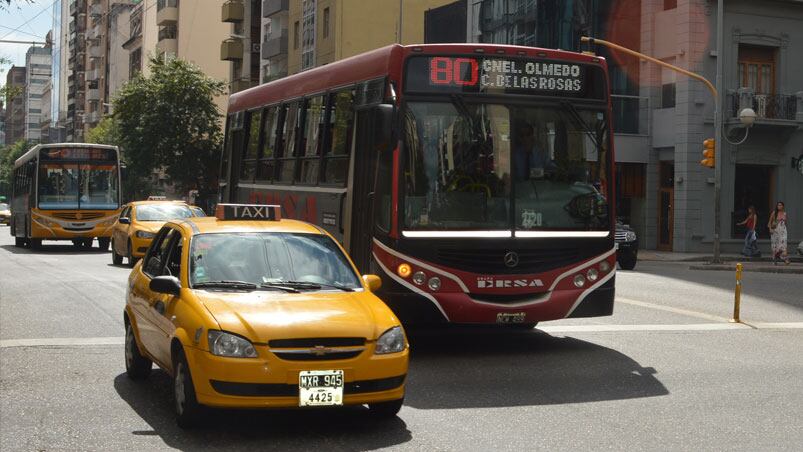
x=709, y=152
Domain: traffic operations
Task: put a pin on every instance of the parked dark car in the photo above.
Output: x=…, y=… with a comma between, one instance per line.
x=627, y=246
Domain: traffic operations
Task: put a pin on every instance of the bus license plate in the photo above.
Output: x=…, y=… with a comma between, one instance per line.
x=320, y=387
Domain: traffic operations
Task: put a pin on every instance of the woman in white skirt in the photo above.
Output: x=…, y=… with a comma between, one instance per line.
x=778, y=223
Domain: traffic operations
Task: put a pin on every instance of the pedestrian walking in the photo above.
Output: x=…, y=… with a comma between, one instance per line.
x=750, y=238
x=778, y=224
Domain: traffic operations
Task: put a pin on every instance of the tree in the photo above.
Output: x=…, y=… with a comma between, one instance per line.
x=7, y=92
x=106, y=132
x=169, y=121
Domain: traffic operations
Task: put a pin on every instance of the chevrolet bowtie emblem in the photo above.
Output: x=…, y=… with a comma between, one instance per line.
x=320, y=350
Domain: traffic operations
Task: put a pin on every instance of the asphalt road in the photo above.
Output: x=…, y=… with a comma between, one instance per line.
x=666, y=371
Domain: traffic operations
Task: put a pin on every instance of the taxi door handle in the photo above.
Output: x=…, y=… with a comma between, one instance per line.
x=159, y=306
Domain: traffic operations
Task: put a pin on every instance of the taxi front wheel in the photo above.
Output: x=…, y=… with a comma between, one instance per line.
x=137, y=366
x=386, y=409
x=188, y=410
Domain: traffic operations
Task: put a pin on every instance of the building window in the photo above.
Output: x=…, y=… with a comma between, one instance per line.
x=670, y=4
x=296, y=37
x=307, y=34
x=325, y=23
x=134, y=63
x=668, y=95
x=757, y=68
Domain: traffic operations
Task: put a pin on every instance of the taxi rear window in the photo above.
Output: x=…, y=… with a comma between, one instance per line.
x=269, y=257
x=162, y=212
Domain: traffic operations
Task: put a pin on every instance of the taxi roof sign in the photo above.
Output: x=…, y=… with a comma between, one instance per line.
x=259, y=212
x=156, y=198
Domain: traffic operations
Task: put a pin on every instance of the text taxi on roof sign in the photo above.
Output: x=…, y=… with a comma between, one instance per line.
x=246, y=309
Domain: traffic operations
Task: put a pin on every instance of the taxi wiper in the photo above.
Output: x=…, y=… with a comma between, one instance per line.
x=315, y=285
x=278, y=285
x=227, y=284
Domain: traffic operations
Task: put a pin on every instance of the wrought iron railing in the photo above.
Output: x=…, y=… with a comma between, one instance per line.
x=766, y=106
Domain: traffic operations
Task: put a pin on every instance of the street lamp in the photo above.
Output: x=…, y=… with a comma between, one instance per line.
x=747, y=117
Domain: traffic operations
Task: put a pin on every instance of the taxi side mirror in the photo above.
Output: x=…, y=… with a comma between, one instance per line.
x=124, y=220
x=373, y=282
x=165, y=284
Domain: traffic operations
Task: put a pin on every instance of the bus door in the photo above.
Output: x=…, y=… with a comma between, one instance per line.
x=364, y=159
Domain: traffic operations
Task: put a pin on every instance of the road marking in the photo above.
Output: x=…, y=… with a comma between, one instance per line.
x=642, y=328
x=660, y=307
x=62, y=342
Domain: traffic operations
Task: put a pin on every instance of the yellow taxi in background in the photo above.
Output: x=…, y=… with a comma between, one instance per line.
x=247, y=310
x=5, y=213
x=138, y=223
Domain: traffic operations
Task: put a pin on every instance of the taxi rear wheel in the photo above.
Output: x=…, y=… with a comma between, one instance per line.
x=116, y=258
x=130, y=255
x=188, y=410
x=386, y=409
x=137, y=367
x=19, y=242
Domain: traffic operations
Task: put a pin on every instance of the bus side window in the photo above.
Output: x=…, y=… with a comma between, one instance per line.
x=312, y=141
x=251, y=149
x=287, y=160
x=267, y=155
x=341, y=125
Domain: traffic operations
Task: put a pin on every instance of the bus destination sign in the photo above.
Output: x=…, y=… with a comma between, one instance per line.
x=72, y=153
x=496, y=75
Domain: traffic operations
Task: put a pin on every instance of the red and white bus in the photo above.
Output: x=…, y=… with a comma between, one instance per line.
x=476, y=179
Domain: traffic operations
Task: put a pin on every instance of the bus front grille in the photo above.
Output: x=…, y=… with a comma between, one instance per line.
x=73, y=216
x=484, y=260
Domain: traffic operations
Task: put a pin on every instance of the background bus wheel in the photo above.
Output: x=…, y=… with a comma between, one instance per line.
x=86, y=244
x=76, y=243
x=523, y=326
x=103, y=243
x=386, y=409
x=35, y=243
x=19, y=242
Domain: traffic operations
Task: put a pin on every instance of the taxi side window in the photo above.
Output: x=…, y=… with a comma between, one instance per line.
x=126, y=212
x=159, y=252
x=173, y=267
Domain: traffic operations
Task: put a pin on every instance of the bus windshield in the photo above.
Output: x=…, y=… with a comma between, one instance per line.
x=487, y=166
x=78, y=185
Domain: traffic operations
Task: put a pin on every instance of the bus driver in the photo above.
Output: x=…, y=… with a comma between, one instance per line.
x=530, y=160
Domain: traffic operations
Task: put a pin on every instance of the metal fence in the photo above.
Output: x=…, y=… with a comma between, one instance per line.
x=767, y=106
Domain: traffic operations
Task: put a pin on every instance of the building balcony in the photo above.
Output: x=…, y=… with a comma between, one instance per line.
x=271, y=7
x=772, y=110
x=240, y=85
x=95, y=51
x=166, y=12
x=93, y=95
x=232, y=11
x=92, y=75
x=92, y=117
x=231, y=49
x=169, y=45
x=93, y=33
x=275, y=46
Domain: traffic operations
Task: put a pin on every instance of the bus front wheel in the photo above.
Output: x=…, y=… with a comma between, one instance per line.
x=35, y=243
x=19, y=242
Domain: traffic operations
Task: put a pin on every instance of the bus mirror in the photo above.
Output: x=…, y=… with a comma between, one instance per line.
x=383, y=126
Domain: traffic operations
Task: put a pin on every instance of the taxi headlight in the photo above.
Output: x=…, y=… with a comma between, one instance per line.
x=391, y=341
x=222, y=343
x=145, y=235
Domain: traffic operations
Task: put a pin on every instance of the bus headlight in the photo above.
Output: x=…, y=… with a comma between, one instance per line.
x=592, y=274
x=404, y=270
x=434, y=283
x=604, y=266
x=145, y=235
x=579, y=280
x=419, y=277
x=391, y=341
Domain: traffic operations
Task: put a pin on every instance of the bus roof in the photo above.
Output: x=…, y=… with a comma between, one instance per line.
x=377, y=63
x=35, y=150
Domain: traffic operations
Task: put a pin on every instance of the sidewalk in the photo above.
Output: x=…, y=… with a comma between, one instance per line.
x=701, y=261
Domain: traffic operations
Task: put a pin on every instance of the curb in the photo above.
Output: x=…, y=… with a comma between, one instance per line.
x=749, y=268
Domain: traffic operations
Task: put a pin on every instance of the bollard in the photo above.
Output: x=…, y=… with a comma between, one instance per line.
x=737, y=296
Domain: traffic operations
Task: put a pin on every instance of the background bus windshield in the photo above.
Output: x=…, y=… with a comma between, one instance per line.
x=78, y=185
x=495, y=166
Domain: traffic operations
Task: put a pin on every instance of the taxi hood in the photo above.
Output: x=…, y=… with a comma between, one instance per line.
x=265, y=315
x=150, y=226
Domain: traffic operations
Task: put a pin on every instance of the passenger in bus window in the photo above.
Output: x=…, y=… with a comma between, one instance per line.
x=530, y=159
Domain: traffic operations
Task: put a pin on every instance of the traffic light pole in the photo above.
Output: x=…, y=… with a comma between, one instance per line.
x=717, y=112
x=718, y=134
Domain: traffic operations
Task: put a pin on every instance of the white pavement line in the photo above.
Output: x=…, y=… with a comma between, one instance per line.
x=619, y=328
x=779, y=325
x=62, y=342
x=660, y=307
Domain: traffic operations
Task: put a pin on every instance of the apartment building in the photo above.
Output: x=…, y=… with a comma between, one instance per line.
x=37, y=76
x=661, y=118
x=15, y=109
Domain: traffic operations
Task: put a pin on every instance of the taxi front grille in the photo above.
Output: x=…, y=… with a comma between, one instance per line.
x=311, y=355
x=72, y=216
x=317, y=341
x=291, y=390
x=318, y=348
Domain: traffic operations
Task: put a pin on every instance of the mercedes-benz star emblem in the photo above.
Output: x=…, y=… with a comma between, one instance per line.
x=511, y=259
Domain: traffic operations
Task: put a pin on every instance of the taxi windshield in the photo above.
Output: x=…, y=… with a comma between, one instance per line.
x=269, y=258
x=3, y=206
x=162, y=212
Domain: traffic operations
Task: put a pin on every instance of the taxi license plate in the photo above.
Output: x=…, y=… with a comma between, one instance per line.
x=320, y=387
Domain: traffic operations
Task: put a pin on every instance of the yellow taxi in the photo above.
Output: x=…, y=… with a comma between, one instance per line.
x=5, y=213
x=138, y=224
x=248, y=310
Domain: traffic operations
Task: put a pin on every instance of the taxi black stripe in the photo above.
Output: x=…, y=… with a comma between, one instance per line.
x=291, y=390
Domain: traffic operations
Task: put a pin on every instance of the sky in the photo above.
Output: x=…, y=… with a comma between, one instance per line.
x=33, y=20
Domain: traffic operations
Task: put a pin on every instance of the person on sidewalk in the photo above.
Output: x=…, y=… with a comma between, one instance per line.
x=778, y=224
x=750, y=238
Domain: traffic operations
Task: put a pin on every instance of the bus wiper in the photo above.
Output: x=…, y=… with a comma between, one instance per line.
x=575, y=115
x=227, y=284
x=315, y=285
x=460, y=105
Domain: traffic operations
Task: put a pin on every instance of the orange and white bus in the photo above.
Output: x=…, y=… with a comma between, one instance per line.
x=65, y=191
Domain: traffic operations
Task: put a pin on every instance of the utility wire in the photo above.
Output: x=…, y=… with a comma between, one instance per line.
x=30, y=20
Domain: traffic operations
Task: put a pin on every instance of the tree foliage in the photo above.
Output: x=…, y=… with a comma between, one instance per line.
x=7, y=92
x=8, y=155
x=169, y=121
x=106, y=132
